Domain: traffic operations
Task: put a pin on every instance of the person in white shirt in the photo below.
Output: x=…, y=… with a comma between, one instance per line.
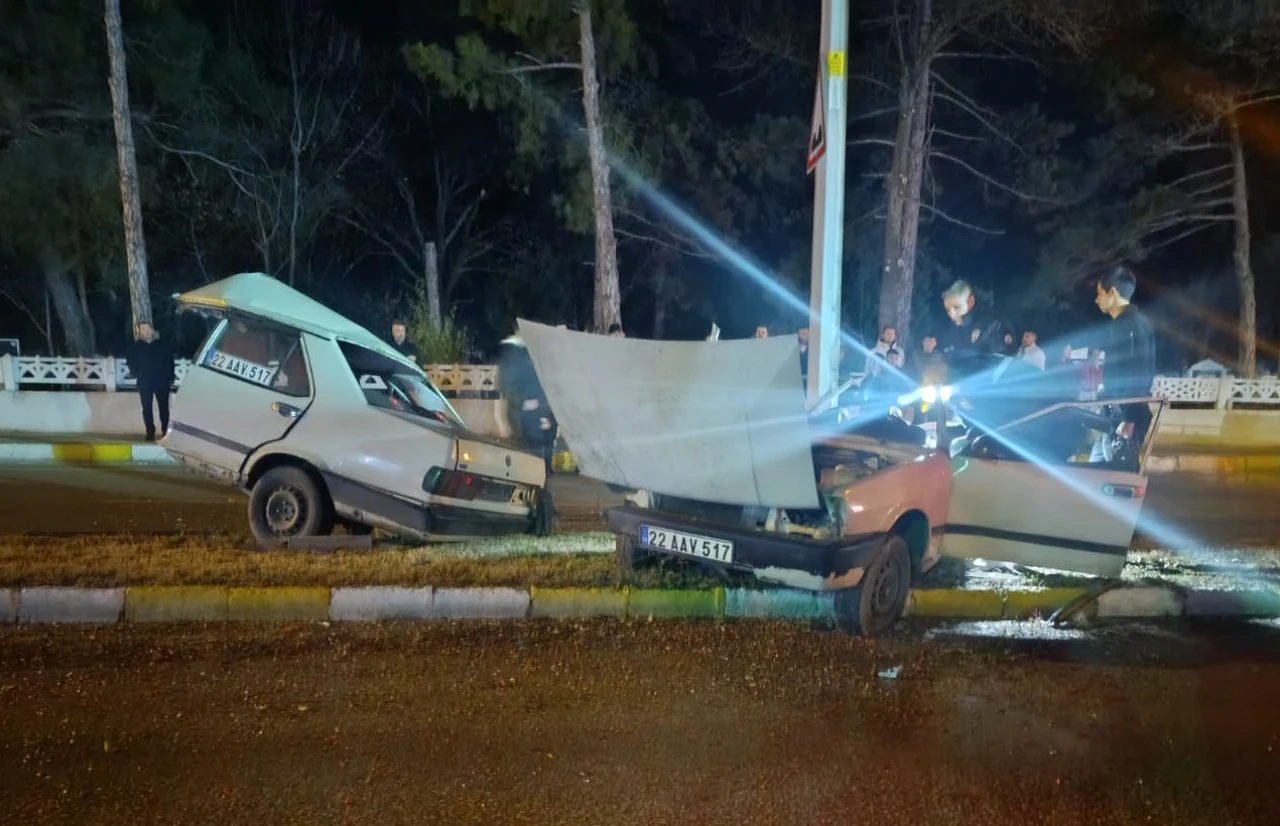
x=1030, y=351
x=887, y=346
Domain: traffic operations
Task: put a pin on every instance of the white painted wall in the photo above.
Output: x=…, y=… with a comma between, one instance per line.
x=120, y=413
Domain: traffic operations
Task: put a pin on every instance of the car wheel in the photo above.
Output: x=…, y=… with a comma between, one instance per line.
x=878, y=601
x=544, y=514
x=629, y=556
x=286, y=503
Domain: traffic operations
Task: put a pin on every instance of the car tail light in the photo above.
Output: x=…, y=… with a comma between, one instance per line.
x=466, y=486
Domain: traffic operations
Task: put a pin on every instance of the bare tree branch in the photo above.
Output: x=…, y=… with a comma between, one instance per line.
x=967, y=105
x=932, y=210
x=1026, y=196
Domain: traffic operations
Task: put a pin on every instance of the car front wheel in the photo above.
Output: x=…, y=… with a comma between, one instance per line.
x=286, y=503
x=878, y=601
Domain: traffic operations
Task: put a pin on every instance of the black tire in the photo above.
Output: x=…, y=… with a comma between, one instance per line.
x=544, y=514
x=629, y=556
x=878, y=601
x=288, y=502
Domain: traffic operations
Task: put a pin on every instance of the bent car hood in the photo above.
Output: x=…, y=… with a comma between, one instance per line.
x=718, y=421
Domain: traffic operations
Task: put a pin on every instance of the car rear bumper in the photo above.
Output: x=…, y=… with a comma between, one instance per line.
x=798, y=562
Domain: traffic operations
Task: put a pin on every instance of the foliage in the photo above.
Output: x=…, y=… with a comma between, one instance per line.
x=443, y=343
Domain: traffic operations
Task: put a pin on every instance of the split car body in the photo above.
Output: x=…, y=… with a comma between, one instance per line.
x=322, y=423
x=731, y=470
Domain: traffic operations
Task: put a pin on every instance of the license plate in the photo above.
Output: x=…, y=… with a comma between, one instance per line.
x=686, y=544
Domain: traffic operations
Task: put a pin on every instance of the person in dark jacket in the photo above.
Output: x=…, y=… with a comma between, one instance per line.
x=150, y=360
x=973, y=336
x=1129, y=360
x=528, y=414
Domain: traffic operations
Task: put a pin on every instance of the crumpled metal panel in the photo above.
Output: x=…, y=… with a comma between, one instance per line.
x=719, y=421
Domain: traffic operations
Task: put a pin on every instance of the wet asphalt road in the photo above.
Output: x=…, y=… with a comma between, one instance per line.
x=640, y=723
x=51, y=498
x=38, y=498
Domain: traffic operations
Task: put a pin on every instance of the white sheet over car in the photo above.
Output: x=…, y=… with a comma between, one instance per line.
x=718, y=421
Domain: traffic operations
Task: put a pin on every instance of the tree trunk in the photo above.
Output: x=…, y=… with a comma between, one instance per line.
x=135, y=244
x=608, y=299
x=906, y=176
x=77, y=329
x=1248, y=352
x=431, y=279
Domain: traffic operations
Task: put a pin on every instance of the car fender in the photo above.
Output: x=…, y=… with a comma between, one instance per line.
x=275, y=450
x=876, y=503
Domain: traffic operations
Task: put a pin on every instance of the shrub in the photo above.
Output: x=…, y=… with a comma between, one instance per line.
x=444, y=343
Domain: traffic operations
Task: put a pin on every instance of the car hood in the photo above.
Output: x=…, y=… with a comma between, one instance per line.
x=717, y=421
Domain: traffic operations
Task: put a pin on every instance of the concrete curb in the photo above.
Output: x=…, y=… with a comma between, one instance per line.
x=87, y=452
x=44, y=605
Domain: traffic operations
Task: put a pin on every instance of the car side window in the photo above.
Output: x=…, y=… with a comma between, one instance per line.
x=260, y=354
x=1056, y=438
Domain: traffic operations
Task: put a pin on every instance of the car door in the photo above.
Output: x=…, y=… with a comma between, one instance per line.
x=249, y=385
x=1027, y=494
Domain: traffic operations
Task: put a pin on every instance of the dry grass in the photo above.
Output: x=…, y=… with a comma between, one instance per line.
x=565, y=560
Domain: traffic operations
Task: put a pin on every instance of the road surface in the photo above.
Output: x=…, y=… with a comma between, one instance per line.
x=59, y=498
x=640, y=723
x=50, y=498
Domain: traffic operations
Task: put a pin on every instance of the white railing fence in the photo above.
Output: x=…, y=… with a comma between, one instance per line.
x=481, y=380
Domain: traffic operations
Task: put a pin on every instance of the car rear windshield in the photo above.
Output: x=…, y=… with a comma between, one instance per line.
x=393, y=385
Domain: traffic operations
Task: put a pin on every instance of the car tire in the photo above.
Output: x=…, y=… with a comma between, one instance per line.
x=628, y=555
x=878, y=601
x=288, y=502
x=544, y=514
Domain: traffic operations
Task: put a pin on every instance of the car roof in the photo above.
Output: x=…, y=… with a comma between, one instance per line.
x=258, y=294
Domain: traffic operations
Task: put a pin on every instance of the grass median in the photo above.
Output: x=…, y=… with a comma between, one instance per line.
x=563, y=560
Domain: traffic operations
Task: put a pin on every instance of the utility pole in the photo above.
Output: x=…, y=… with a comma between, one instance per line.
x=828, y=205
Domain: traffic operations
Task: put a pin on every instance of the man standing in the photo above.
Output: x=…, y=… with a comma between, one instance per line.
x=1129, y=351
x=151, y=362
x=1030, y=352
x=926, y=365
x=407, y=348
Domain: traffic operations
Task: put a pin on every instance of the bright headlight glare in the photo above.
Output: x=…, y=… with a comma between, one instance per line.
x=929, y=393
x=946, y=393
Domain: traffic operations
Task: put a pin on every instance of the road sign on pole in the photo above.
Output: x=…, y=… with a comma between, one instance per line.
x=828, y=205
x=818, y=128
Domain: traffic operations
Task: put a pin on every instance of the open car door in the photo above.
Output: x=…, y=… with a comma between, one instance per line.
x=1028, y=493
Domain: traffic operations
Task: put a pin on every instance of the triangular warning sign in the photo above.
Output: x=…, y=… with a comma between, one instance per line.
x=818, y=130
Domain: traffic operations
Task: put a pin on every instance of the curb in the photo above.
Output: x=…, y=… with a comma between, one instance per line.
x=1223, y=466
x=87, y=452
x=134, y=604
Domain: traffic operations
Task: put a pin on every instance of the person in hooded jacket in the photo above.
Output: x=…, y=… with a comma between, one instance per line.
x=150, y=361
x=528, y=414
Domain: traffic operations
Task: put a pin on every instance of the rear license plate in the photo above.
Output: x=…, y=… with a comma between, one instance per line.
x=686, y=544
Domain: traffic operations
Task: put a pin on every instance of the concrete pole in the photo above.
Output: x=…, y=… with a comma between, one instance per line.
x=828, y=209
